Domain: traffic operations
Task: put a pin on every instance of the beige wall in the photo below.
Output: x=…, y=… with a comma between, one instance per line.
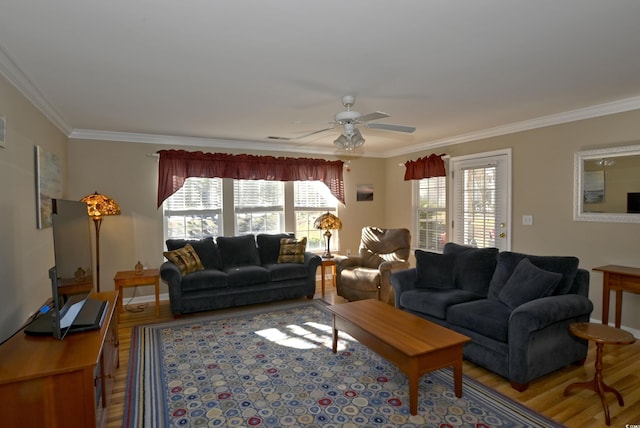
x=543, y=187
x=26, y=252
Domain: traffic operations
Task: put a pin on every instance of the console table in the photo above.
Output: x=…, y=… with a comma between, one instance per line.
x=618, y=279
x=46, y=382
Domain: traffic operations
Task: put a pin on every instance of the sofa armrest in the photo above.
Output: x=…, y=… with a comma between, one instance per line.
x=170, y=273
x=386, y=268
x=343, y=262
x=401, y=281
x=539, y=313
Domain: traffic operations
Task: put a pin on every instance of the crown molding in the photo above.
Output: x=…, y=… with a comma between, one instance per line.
x=172, y=140
x=20, y=81
x=619, y=106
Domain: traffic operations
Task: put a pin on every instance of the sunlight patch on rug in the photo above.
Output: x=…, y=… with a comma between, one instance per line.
x=274, y=367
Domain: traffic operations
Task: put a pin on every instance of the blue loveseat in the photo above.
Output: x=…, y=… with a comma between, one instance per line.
x=236, y=271
x=515, y=307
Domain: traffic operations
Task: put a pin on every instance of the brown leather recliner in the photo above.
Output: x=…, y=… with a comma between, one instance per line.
x=366, y=276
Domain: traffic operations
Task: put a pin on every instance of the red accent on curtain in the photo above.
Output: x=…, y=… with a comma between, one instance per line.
x=177, y=165
x=425, y=167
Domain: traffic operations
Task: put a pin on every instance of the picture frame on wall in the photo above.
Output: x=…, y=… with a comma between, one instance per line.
x=593, y=187
x=364, y=192
x=48, y=185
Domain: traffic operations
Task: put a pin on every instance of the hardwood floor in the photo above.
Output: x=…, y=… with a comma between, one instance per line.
x=581, y=409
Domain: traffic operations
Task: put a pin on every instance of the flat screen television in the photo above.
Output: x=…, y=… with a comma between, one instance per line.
x=633, y=202
x=70, y=309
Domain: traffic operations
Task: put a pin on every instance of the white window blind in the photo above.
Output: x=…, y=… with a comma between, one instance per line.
x=431, y=213
x=259, y=206
x=194, y=211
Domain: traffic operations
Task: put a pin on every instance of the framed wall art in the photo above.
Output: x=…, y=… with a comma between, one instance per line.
x=48, y=185
x=3, y=131
x=364, y=192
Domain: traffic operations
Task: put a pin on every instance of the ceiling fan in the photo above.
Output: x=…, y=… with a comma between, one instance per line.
x=351, y=138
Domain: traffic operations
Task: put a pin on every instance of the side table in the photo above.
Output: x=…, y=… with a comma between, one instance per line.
x=129, y=278
x=617, y=278
x=328, y=263
x=601, y=335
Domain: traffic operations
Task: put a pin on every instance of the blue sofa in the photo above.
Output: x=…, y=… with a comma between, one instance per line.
x=515, y=307
x=236, y=271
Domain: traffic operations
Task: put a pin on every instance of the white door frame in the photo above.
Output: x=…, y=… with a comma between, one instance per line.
x=504, y=154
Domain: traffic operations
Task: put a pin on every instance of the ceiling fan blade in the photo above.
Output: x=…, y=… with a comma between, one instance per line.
x=301, y=136
x=314, y=133
x=389, y=127
x=373, y=116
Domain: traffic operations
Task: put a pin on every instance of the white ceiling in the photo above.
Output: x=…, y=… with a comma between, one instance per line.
x=232, y=73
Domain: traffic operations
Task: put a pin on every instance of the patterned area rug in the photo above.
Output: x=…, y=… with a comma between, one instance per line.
x=274, y=368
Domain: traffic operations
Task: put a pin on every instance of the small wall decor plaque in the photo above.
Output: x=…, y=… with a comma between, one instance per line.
x=3, y=131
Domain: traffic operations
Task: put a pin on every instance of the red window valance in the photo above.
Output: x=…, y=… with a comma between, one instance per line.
x=177, y=165
x=425, y=167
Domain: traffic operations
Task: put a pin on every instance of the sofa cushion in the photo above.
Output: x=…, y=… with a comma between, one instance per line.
x=269, y=246
x=528, y=282
x=207, y=250
x=185, y=258
x=238, y=251
x=242, y=276
x=287, y=271
x=487, y=317
x=204, y=280
x=473, y=267
x=434, y=270
x=507, y=262
x=292, y=250
x=434, y=301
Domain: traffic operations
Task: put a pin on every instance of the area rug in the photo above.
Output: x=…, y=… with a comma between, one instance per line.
x=273, y=367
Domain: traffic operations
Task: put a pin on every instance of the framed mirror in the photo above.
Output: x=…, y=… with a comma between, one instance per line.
x=607, y=185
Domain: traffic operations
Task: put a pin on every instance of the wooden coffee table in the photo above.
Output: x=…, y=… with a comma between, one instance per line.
x=415, y=345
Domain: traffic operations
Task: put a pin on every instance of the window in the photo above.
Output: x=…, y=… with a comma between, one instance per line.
x=431, y=213
x=194, y=211
x=259, y=206
x=311, y=199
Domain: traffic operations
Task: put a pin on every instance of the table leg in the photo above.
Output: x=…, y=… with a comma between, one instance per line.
x=322, y=273
x=457, y=377
x=414, y=380
x=334, y=344
x=598, y=386
x=618, y=308
x=605, y=298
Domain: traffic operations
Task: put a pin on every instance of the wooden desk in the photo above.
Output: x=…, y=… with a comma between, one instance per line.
x=328, y=263
x=129, y=278
x=618, y=279
x=601, y=335
x=47, y=382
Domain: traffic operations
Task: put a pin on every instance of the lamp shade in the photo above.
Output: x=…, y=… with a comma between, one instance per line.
x=328, y=221
x=100, y=205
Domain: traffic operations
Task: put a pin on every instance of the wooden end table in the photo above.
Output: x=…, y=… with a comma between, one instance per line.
x=601, y=335
x=328, y=263
x=416, y=346
x=617, y=278
x=129, y=278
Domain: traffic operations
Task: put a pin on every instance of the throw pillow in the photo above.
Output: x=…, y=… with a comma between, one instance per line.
x=206, y=249
x=185, y=258
x=528, y=282
x=292, y=250
x=434, y=270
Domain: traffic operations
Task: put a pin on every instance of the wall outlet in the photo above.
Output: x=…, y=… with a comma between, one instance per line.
x=527, y=220
x=348, y=252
